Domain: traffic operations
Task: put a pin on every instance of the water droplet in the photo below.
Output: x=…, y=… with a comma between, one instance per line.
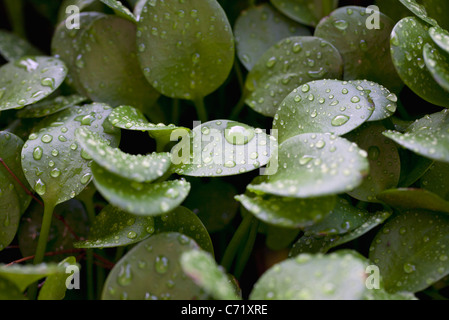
x=125, y=275
x=55, y=173
x=37, y=153
x=46, y=138
x=172, y=193
x=195, y=58
x=409, y=268
x=339, y=120
x=238, y=134
x=271, y=62
x=230, y=164
x=341, y=24
x=48, y=82
x=132, y=235
x=161, y=264
x=373, y=153
x=355, y=99
x=86, y=178
x=40, y=187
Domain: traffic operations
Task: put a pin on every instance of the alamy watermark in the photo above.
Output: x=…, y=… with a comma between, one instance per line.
x=73, y=280
x=372, y=281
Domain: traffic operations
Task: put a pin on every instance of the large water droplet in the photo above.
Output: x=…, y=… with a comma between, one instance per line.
x=339, y=120
x=37, y=153
x=161, y=264
x=125, y=275
x=238, y=134
x=40, y=187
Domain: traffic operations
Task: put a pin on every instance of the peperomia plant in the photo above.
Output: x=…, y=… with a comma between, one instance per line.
x=224, y=150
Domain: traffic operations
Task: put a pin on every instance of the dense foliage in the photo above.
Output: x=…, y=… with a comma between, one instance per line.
x=204, y=149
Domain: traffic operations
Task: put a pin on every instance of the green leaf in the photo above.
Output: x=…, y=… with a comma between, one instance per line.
x=260, y=27
x=147, y=199
x=440, y=37
x=343, y=218
x=107, y=65
x=308, y=12
x=287, y=65
x=50, y=106
x=324, y=106
x=384, y=101
x=435, y=180
x=10, y=149
x=204, y=271
x=314, y=165
x=365, y=52
x=408, y=38
x=9, y=291
x=24, y=275
x=186, y=49
x=69, y=221
x=133, y=167
x=114, y=228
x=337, y=276
x=419, y=10
x=437, y=61
x=9, y=212
x=29, y=79
x=65, y=45
x=12, y=47
x=120, y=10
x=414, y=199
x=278, y=238
x=437, y=9
x=410, y=250
x=288, y=212
x=384, y=161
x=222, y=148
x=184, y=221
x=316, y=244
x=54, y=164
x=427, y=136
x=55, y=287
x=413, y=168
x=152, y=270
x=216, y=210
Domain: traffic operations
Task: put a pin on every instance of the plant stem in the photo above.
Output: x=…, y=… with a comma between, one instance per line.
x=89, y=205
x=201, y=109
x=327, y=7
x=235, y=242
x=42, y=243
x=247, y=249
x=14, y=9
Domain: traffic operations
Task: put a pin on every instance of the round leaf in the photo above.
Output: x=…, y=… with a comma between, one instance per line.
x=308, y=12
x=408, y=38
x=51, y=106
x=222, y=148
x=184, y=221
x=107, y=65
x=151, y=270
x=114, y=227
x=410, y=250
x=324, y=106
x=288, y=212
x=313, y=165
x=203, y=270
x=316, y=244
x=147, y=199
x=10, y=149
x=285, y=66
x=384, y=101
x=414, y=199
x=437, y=61
x=260, y=27
x=120, y=9
x=428, y=136
x=133, y=167
x=440, y=37
x=435, y=180
x=54, y=164
x=313, y=277
x=384, y=161
x=186, y=48
x=29, y=79
x=365, y=52
x=13, y=47
x=66, y=43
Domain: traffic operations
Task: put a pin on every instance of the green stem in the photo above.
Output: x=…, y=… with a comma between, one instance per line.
x=247, y=249
x=42, y=244
x=90, y=209
x=236, y=240
x=201, y=109
x=238, y=107
x=328, y=6
x=14, y=9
